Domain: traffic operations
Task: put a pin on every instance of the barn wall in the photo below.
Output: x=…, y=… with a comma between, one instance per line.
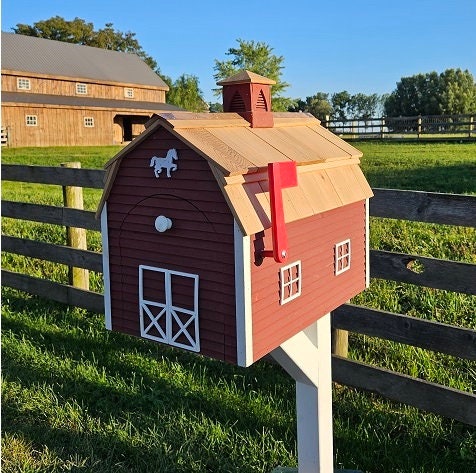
x=54, y=86
x=199, y=242
x=312, y=241
x=63, y=126
x=57, y=126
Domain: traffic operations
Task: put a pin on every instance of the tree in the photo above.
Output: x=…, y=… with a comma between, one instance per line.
x=340, y=103
x=318, y=105
x=363, y=106
x=451, y=92
x=256, y=57
x=79, y=32
x=458, y=92
x=185, y=93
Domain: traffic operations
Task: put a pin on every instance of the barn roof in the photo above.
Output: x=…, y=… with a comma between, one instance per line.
x=82, y=101
x=329, y=175
x=43, y=56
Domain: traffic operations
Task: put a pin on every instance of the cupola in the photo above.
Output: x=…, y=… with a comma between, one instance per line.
x=249, y=95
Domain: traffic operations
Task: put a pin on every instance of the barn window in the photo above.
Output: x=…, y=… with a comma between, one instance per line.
x=290, y=280
x=31, y=120
x=128, y=93
x=342, y=256
x=168, y=302
x=89, y=122
x=23, y=84
x=81, y=89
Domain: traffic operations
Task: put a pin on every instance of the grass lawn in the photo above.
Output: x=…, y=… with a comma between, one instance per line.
x=76, y=397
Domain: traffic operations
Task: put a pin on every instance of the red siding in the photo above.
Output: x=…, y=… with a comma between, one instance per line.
x=199, y=242
x=311, y=241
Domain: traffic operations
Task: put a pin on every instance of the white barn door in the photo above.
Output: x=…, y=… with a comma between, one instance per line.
x=168, y=302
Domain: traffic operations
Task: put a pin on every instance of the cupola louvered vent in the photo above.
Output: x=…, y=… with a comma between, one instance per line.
x=261, y=102
x=249, y=95
x=237, y=103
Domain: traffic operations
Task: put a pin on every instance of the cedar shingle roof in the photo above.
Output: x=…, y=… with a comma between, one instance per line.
x=328, y=169
x=43, y=56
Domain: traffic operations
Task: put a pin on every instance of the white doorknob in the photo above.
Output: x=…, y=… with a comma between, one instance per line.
x=162, y=223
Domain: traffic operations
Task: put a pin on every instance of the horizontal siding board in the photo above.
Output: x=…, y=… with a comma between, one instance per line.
x=138, y=193
x=148, y=251
x=214, y=215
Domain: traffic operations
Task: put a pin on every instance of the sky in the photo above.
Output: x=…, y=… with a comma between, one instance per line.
x=354, y=45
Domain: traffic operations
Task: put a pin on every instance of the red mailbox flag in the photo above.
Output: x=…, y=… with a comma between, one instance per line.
x=280, y=176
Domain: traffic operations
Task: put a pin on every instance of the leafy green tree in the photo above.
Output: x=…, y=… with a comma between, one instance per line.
x=362, y=106
x=318, y=105
x=215, y=107
x=78, y=31
x=451, y=92
x=185, y=93
x=340, y=103
x=458, y=92
x=256, y=57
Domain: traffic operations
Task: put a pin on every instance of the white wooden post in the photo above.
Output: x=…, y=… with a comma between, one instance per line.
x=307, y=358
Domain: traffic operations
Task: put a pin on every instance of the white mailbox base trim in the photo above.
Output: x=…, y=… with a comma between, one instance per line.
x=105, y=268
x=244, y=332
x=307, y=358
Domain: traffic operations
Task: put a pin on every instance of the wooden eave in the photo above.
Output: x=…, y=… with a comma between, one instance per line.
x=329, y=175
x=80, y=102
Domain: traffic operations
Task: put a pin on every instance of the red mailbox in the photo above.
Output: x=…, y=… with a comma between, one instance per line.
x=188, y=223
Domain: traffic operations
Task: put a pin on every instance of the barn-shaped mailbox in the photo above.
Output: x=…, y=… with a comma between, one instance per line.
x=228, y=233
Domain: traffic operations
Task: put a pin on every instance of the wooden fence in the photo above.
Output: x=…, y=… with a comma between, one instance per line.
x=4, y=136
x=461, y=127
x=408, y=205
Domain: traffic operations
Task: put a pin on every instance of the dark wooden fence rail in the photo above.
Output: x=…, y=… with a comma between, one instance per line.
x=416, y=127
x=409, y=205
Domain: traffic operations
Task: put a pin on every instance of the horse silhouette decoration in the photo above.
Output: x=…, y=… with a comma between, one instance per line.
x=167, y=163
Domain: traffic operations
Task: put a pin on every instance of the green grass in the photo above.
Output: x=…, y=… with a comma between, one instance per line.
x=76, y=397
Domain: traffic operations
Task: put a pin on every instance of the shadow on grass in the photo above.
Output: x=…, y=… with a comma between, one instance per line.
x=152, y=398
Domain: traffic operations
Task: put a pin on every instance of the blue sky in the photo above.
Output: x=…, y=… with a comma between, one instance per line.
x=358, y=46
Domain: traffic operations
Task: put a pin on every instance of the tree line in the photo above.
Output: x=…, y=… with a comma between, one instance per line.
x=452, y=91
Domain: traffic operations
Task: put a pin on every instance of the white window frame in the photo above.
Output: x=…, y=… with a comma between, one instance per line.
x=128, y=92
x=81, y=89
x=31, y=120
x=89, y=122
x=152, y=311
x=23, y=83
x=342, y=256
x=290, y=286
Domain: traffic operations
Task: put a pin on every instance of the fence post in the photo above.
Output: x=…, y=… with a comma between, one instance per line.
x=382, y=124
x=75, y=237
x=419, y=126
x=471, y=126
x=340, y=342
